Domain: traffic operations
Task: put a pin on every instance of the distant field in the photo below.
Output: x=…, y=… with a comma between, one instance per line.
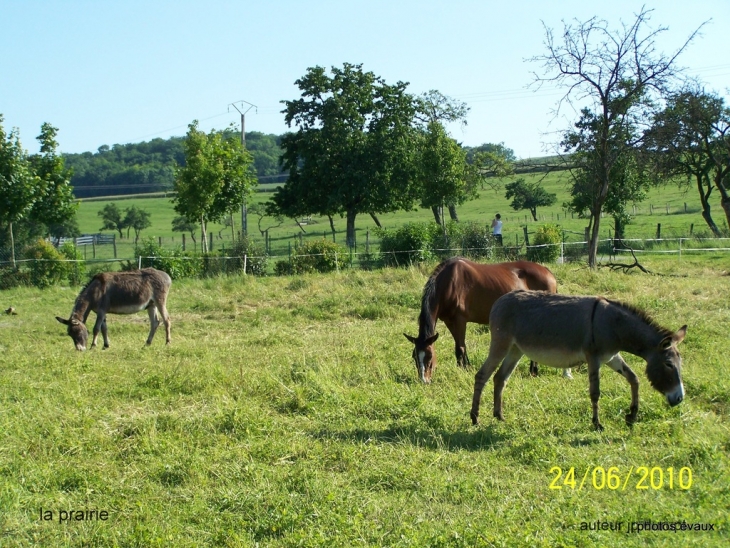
x=665, y=206
x=287, y=412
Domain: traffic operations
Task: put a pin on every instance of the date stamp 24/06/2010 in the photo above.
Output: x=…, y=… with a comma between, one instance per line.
x=613, y=478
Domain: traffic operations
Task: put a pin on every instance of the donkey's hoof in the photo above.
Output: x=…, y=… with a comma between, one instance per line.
x=474, y=418
x=631, y=419
x=599, y=426
x=498, y=415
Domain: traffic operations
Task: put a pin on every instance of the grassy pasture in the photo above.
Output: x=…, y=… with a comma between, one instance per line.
x=667, y=207
x=287, y=412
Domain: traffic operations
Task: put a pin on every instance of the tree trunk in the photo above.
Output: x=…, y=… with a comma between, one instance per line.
x=377, y=221
x=533, y=211
x=593, y=248
x=332, y=224
x=12, y=245
x=436, y=214
x=204, y=238
x=705, y=201
x=453, y=214
x=351, y=228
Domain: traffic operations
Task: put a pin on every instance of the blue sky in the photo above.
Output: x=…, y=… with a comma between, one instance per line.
x=107, y=72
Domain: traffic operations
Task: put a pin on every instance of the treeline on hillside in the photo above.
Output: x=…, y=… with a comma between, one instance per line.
x=150, y=166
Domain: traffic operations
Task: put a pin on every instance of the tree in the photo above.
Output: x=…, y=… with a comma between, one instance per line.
x=528, y=196
x=443, y=172
x=617, y=72
x=19, y=186
x=137, y=219
x=690, y=138
x=353, y=151
x=112, y=219
x=55, y=204
x=628, y=174
x=216, y=179
x=181, y=224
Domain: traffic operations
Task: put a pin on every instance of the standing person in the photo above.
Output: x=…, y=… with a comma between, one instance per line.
x=497, y=228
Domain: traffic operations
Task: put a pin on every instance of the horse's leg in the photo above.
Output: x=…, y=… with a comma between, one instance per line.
x=457, y=328
x=154, y=322
x=618, y=364
x=497, y=351
x=567, y=374
x=501, y=376
x=105, y=333
x=533, y=368
x=594, y=388
x=100, y=317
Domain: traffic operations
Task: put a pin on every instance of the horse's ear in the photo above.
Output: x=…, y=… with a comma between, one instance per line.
x=64, y=321
x=412, y=339
x=431, y=340
x=678, y=337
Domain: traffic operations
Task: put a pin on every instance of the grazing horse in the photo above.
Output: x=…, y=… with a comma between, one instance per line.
x=119, y=293
x=461, y=291
x=563, y=331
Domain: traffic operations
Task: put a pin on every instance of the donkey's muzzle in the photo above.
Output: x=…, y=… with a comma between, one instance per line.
x=675, y=401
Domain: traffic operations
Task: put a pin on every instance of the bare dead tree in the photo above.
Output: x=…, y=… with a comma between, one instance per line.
x=614, y=72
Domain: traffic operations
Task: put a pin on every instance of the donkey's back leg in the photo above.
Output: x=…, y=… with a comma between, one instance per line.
x=154, y=322
x=618, y=364
x=165, y=318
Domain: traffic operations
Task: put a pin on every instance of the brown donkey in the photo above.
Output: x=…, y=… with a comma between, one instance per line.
x=119, y=293
x=461, y=291
x=563, y=331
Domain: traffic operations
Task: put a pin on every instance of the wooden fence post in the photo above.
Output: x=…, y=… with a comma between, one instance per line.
x=183, y=241
x=114, y=243
x=658, y=231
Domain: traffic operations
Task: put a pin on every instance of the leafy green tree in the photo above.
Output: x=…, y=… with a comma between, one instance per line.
x=19, y=186
x=216, y=179
x=55, y=203
x=528, y=196
x=353, y=151
x=690, y=138
x=68, y=228
x=628, y=174
x=181, y=224
x=618, y=72
x=443, y=173
x=112, y=219
x=137, y=219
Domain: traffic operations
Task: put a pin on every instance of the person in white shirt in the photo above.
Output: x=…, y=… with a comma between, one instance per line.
x=497, y=228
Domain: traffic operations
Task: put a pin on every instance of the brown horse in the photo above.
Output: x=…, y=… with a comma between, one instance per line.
x=461, y=291
x=563, y=331
x=119, y=293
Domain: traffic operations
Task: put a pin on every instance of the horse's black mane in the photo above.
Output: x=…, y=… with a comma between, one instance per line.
x=429, y=290
x=643, y=316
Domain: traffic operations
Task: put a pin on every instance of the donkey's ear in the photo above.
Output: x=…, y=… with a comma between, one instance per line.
x=678, y=337
x=412, y=339
x=431, y=340
x=64, y=321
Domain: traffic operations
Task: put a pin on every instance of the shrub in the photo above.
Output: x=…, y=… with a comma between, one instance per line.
x=548, y=236
x=317, y=256
x=476, y=241
x=47, y=266
x=256, y=257
x=411, y=243
x=76, y=268
x=177, y=263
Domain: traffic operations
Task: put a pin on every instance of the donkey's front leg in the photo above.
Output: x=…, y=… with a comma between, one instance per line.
x=98, y=325
x=618, y=364
x=105, y=333
x=594, y=389
x=496, y=354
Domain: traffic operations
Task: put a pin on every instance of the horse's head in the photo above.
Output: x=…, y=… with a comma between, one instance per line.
x=77, y=331
x=424, y=355
x=664, y=368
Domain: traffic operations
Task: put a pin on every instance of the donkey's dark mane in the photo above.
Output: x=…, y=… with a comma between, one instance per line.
x=425, y=321
x=643, y=316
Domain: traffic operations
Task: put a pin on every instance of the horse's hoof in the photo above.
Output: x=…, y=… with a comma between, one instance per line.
x=631, y=419
x=599, y=426
x=474, y=418
x=498, y=416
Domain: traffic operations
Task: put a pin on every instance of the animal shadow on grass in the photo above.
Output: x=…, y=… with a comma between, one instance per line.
x=470, y=439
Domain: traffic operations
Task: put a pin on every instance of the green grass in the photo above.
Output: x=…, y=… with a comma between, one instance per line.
x=674, y=224
x=287, y=412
